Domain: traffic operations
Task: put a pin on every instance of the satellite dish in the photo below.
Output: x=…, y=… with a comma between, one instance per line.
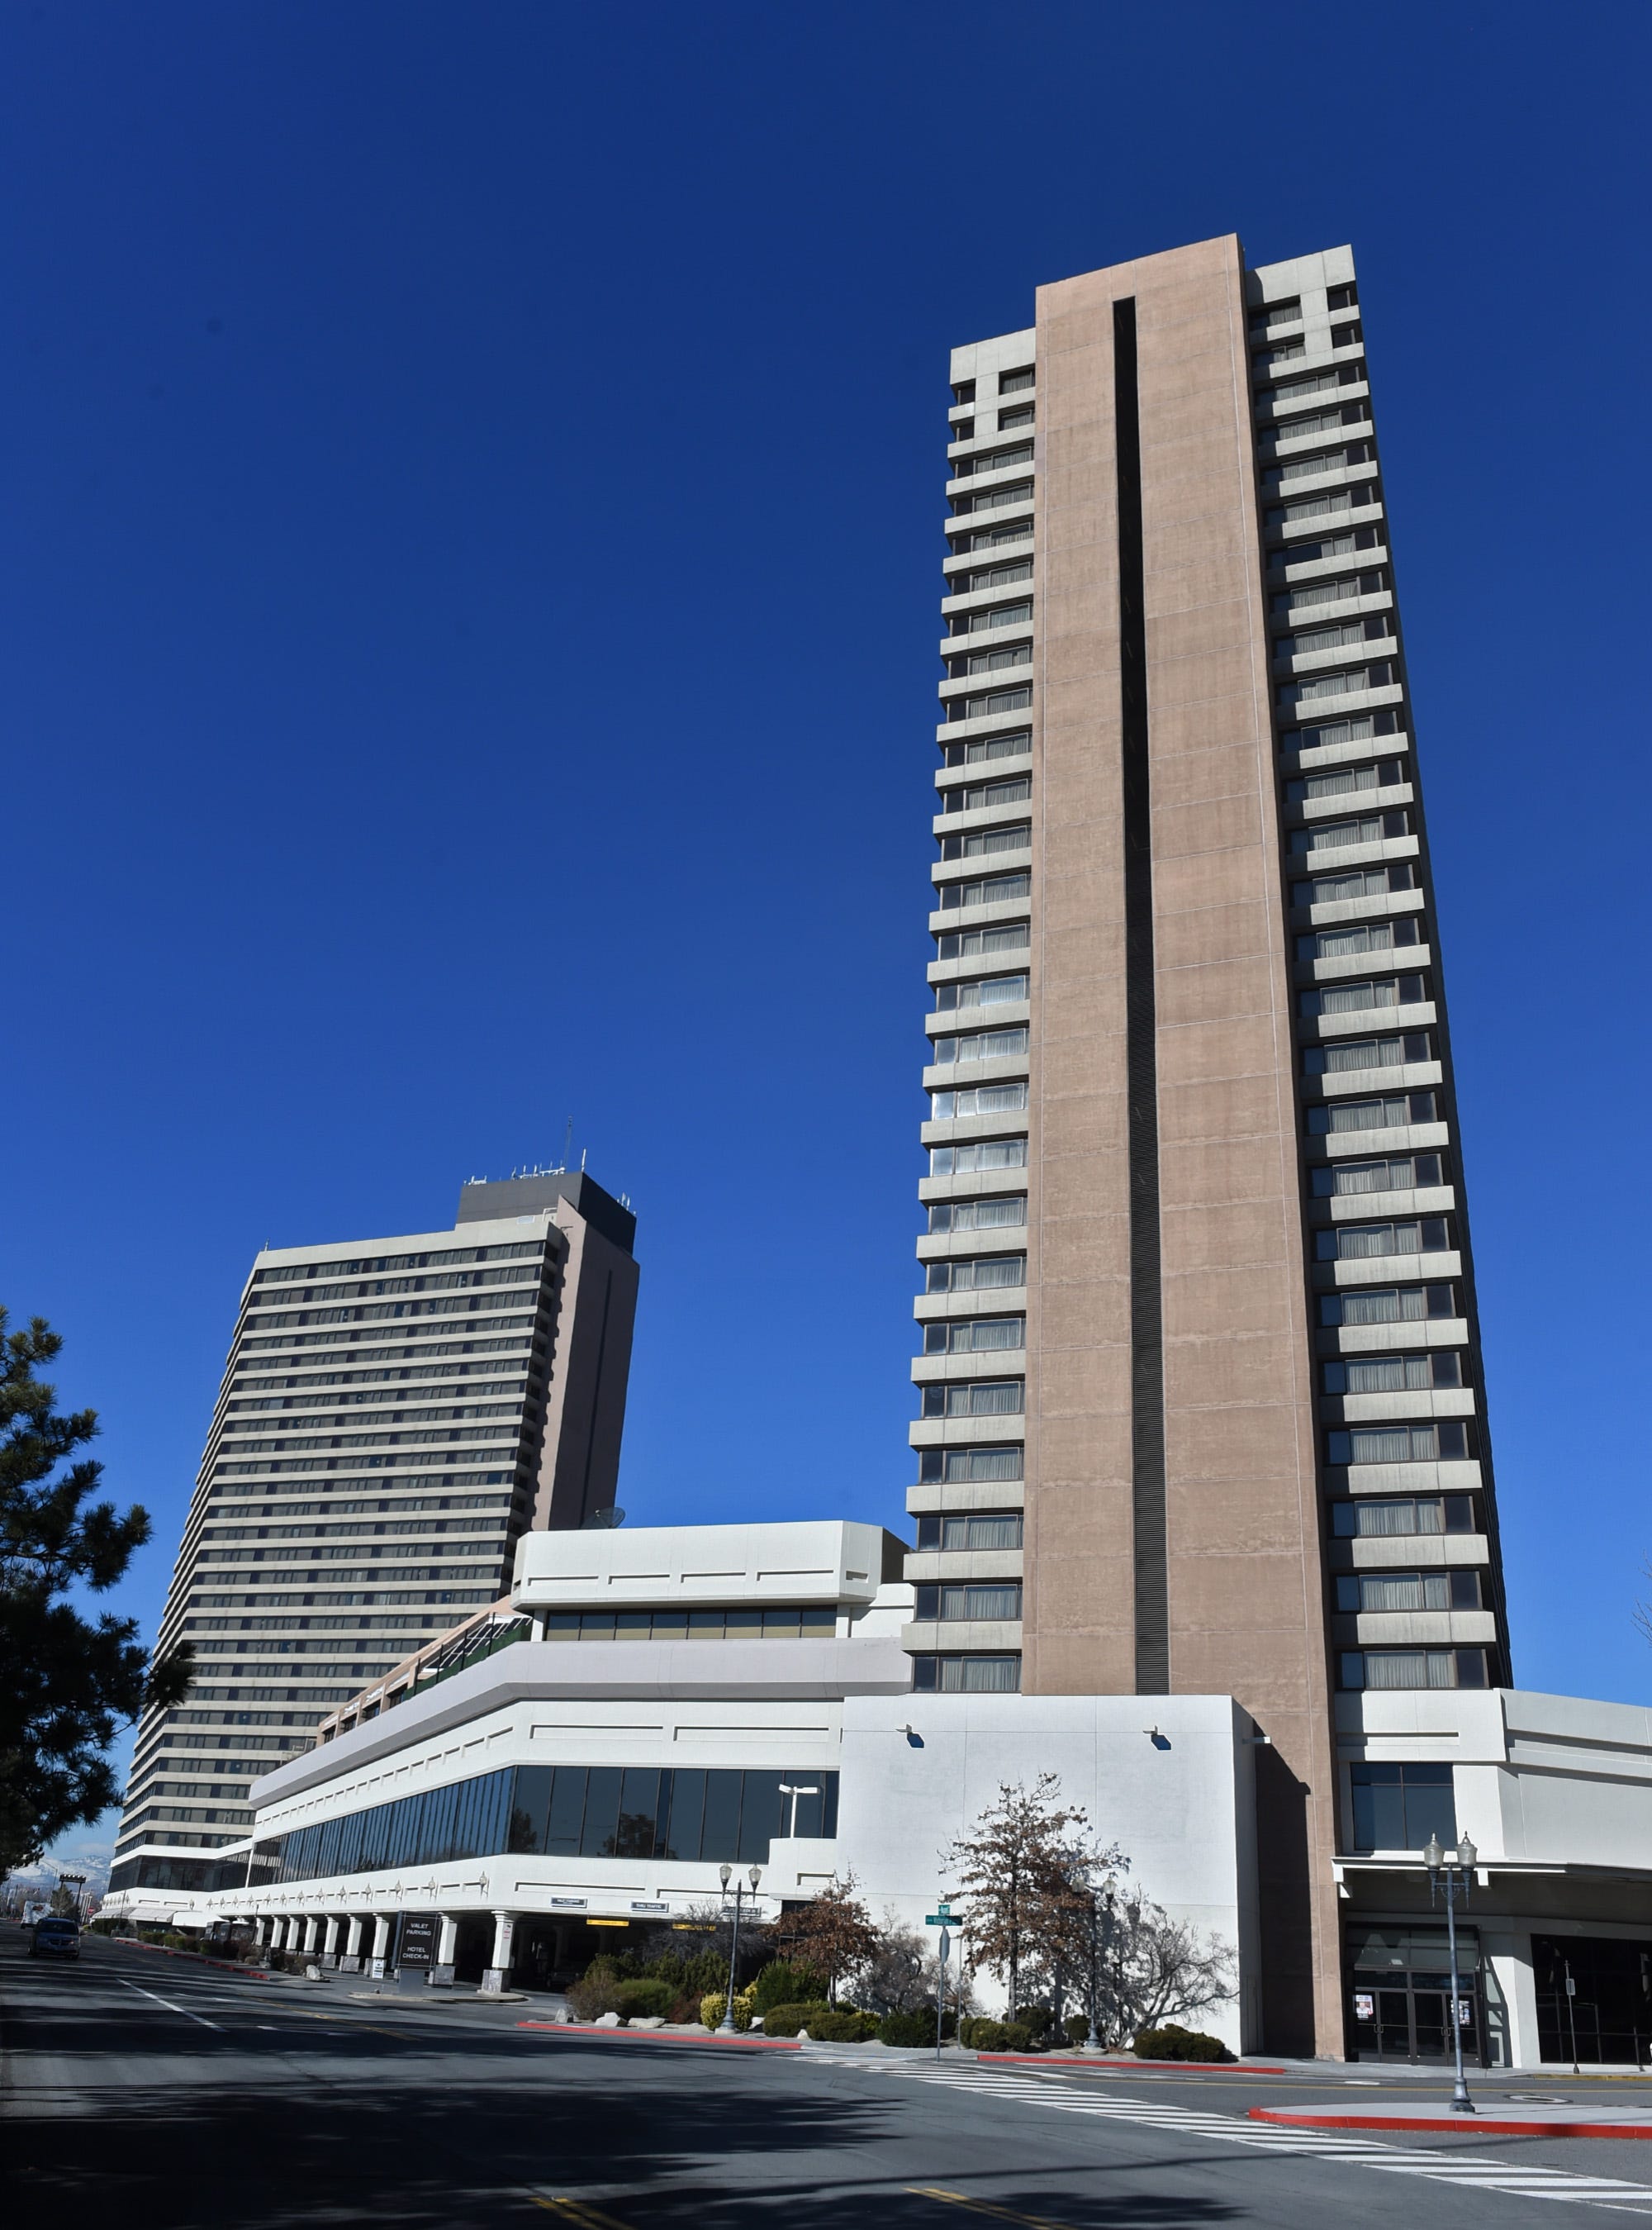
x=603, y=1521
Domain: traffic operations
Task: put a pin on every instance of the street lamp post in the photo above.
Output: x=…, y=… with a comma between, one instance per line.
x=1451, y=1869
x=1093, y=2042
x=726, y=2027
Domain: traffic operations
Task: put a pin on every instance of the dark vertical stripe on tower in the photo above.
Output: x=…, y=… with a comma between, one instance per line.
x=1147, y=1313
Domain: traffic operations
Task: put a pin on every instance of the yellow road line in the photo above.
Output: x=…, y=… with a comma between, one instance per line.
x=581, y=2211
x=982, y=2206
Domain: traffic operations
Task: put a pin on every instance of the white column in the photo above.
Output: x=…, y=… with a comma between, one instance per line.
x=382, y=1922
x=441, y=1974
x=355, y=1929
x=313, y=1926
x=283, y=1930
x=333, y=1937
x=498, y=1976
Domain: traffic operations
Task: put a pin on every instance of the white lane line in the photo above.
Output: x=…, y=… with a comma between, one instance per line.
x=167, y=2003
x=1358, y=2149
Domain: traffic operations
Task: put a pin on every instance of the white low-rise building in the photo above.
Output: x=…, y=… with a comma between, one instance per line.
x=653, y=1704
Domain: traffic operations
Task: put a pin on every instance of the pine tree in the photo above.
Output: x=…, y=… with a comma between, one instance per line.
x=68, y=1683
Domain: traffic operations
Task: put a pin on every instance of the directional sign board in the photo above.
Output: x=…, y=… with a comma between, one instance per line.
x=940, y=1919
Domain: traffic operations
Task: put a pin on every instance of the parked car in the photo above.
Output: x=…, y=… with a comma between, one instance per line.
x=55, y=1936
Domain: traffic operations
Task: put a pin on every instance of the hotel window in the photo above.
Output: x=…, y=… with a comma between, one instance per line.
x=1388, y=1305
x=999, y=937
x=1400, y=1173
x=1381, y=774
x=981, y=991
x=1445, y=1440
x=980, y=842
x=1337, y=835
x=957, y=1466
x=988, y=708
x=1363, y=1243
x=976, y=1397
x=1394, y=1374
x=1394, y=1111
x=981, y=1045
x=995, y=1599
x=1014, y=383
x=1358, y=883
x=998, y=1212
x=974, y=1335
x=1011, y=745
x=1357, y=936
x=1362, y=996
x=1413, y=1668
x=976, y=1274
x=1346, y=1056
x=1331, y=592
x=1403, y=1591
x=1024, y=414
x=991, y=890
x=1389, y=1518
x=1001, y=616
x=1398, y=1807
x=979, y=1154
x=978, y=1100
x=993, y=661
x=973, y=797
x=975, y=1529
x=998, y=1675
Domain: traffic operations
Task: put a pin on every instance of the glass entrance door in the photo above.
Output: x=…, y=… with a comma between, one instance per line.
x=1409, y=2017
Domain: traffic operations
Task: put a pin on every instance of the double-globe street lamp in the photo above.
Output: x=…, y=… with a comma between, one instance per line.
x=1451, y=1870
x=725, y=2026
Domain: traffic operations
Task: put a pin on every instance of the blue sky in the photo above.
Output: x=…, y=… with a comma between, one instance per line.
x=473, y=545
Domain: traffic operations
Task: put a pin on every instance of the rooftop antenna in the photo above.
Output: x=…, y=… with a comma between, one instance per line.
x=568, y=1141
x=582, y=1153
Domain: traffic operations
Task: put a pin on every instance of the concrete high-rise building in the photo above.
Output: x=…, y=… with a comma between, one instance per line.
x=1201, y=1406
x=394, y=1414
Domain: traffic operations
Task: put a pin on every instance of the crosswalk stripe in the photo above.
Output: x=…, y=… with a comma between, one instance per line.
x=1358, y=2150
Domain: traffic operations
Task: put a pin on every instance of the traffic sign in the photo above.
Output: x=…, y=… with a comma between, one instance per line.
x=938, y=1919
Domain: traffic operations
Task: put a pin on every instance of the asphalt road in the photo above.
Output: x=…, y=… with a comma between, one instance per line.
x=149, y=2093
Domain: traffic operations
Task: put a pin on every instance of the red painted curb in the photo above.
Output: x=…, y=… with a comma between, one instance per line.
x=1062, y=2059
x=201, y=1958
x=664, y=2036
x=1468, y=2125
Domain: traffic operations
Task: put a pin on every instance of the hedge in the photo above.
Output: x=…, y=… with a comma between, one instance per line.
x=1175, y=2042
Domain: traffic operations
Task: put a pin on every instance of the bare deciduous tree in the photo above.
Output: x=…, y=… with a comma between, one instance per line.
x=1026, y=1874
x=833, y=1933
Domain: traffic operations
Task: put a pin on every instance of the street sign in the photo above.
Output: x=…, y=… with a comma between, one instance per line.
x=938, y=1919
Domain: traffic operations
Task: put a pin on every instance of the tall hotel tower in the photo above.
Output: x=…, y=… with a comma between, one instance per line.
x=1200, y=1389
x=394, y=1414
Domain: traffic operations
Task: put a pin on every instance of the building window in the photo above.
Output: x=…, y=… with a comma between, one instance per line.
x=1447, y=1440
x=979, y=843
x=956, y=1466
x=982, y=1045
x=744, y=1622
x=1388, y=1305
x=1393, y=1112
x=1394, y=1173
x=1344, y=1057
x=1365, y=1242
x=1394, y=1374
x=977, y=795
x=971, y=1273
x=974, y=1335
x=1398, y=1807
x=1014, y=383
x=1361, y=883
x=1361, y=996
x=998, y=1211
x=990, y=1598
x=1025, y=414
x=999, y=937
x=1338, y=836
x=1357, y=936
x=1001, y=616
x=1413, y=1668
x=992, y=890
x=1011, y=745
x=1407, y=1591
x=979, y=1154
x=981, y=991
x=974, y=1528
x=1390, y=1516
x=999, y=1675
x=976, y=1397
x=996, y=702
x=984, y=1099
x=1340, y=782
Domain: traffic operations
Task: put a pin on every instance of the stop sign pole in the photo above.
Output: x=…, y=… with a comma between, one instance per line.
x=941, y=1918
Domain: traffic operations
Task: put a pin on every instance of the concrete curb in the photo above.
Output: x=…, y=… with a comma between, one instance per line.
x=1191, y=2066
x=438, y=2002
x=198, y=1959
x=1562, y=2123
x=745, y=2042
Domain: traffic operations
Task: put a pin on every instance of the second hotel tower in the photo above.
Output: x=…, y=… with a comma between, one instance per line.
x=1200, y=1380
